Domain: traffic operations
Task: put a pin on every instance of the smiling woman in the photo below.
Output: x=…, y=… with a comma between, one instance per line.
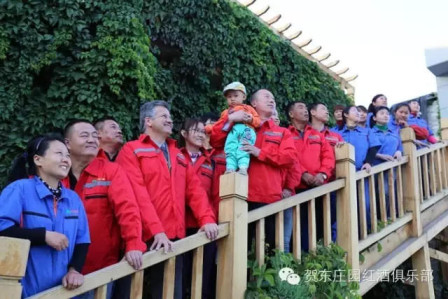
x=35, y=206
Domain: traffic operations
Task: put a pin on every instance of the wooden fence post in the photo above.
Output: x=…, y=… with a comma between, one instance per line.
x=420, y=260
x=347, y=212
x=13, y=259
x=411, y=181
x=232, y=250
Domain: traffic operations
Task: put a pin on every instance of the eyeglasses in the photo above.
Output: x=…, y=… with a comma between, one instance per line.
x=197, y=131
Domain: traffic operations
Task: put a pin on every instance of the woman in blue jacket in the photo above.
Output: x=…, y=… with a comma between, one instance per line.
x=40, y=209
x=391, y=146
x=365, y=143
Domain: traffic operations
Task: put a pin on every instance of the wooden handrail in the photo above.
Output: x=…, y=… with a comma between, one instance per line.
x=431, y=148
x=380, y=168
x=294, y=200
x=121, y=269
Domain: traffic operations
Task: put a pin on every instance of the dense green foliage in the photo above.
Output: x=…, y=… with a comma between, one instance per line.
x=323, y=274
x=65, y=59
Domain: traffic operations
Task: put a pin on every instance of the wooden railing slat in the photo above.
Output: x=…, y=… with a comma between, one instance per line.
x=260, y=241
x=137, y=285
x=312, y=225
x=372, y=197
x=433, y=174
x=382, y=193
x=296, y=233
x=327, y=219
x=426, y=177
x=400, y=191
x=279, y=231
x=362, y=208
x=169, y=277
x=391, y=183
x=196, y=281
x=100, y=292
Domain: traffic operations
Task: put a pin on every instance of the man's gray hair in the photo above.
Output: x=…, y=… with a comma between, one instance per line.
x=148, y=110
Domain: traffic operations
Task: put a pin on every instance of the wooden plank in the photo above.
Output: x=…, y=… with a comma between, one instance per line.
x=434, y=199
x=400, y=192
x=382, y=193
x=372, y=197
x=13, y=257
x=439, y=174
x=259, y=241
x=327, y=219
x=391, y=182
x=121, y=269
x=433, y=177
x=279, y=231
x=232, y=251
x=373, y=238
x=100, y=292
x=410, y=180
x=292, y=201
x=296, y=233
x=420, y=179
x=380, y=168
x=444, y=167
x=438, y=255
x=137, y=285
x=196, y=281
x=421, y=262
x=426, y=177
x=362, y=209
x=169, y=276
x=427, y=150
x=312, y=225
x=10, y=289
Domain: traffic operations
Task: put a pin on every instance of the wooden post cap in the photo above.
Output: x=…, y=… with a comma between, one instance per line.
x=233, y=185
x=13, y=256
x=345, y=152
x=407, y=134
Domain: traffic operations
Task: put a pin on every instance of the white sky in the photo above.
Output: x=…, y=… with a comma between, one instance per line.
x=383, y=41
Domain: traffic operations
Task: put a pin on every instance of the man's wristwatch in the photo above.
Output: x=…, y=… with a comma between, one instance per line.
x=324, y=175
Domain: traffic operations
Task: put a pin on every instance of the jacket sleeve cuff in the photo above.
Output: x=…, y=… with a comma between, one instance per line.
x=262, y=155
x=207, y=219
x=136, y=245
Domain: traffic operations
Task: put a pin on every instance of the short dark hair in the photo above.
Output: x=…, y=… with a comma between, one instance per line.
x=68, y=127
x=362, y=108
x=23, y=166
x=99, y=123
x=344, y=118
x=291, y=105
x=377, y=109
x=187, y=125
x=313, y=106
x=213, y=116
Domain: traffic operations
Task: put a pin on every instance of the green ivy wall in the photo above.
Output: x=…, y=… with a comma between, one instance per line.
x=86, y=59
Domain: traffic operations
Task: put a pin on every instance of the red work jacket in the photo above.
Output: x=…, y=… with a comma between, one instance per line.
x=219, y=161
x=166, y=189
x=111, y=210
x=203, y=167
x=315, y=154
x=266, y=172
x=332, y=137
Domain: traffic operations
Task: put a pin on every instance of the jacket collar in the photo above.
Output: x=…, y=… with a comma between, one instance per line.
x=43, y=192
x=145, y=138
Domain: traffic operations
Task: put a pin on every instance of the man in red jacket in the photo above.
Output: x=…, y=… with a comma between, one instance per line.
x=272, y=153
x=162, y=176
x=111, y=208
x=109, y=136
x=319, y=117
x=316, y=157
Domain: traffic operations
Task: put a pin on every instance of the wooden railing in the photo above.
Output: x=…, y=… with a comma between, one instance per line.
x=412, y=212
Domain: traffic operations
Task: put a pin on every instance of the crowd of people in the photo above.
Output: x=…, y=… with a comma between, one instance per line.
x=87, y=200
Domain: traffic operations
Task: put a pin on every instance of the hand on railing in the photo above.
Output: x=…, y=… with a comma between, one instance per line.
x=161, y=240
x=73, y=279
x=340, y=144
x=56, y=240
x=398, y=155
x=422, y=144
x=286, y=193
x=134, y=258
x=367, y=167
x=385, y=157
x=211, y=230
x=319, y=179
